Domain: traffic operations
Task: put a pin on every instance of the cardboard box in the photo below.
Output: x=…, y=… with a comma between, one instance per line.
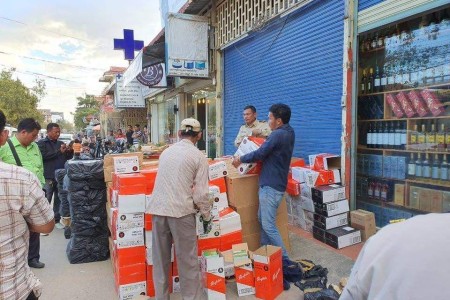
x=306, y=191
x=323, y=177
x=299, y=173
x=129, y=291
x=207, y=243
x=128, y=203
x=325, y=161
x=268, y=272
x=124, y=180
x=330, y=209
x=248, y=145
x=364, y=221
x=430, y=200
x=243, y=190
x=123, y=165
x=122, y=221
x=245, y=279
x=328, y=193
x=330, y=222
x=229, y=220
x=305, y=219
x=212, y=230
x=219, y=182
x=228, y=263
x=342, y=237
x=108, y=159
x=176, y=287
x=131, y=237
x=217, y=170
x=127, y=256
x=130, y=273
x=399, y=194
x=213, y=274
x=228, y=240
x=414, y=197
x=293, y=187
x=150, y=178
x=147, y=222
x=148, y=239
x=319, y=234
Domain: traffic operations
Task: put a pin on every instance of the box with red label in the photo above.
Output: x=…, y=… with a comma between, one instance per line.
x=228, y=240
x=297, y=162
x=243, y=270
x=299, y=173
x=417, y=103
x=293, y=187
x=128, y=203
x=131, y=237
x=219, y=201
x=433, y=102
x=123, y=180
x=230, y=221
x=129, y=291
x=219, y=182
x=127, y=256
x=268, y=272
x=147, y=222
x=126, y=164
x=150, y=178
x=248, y=145
x=217, y=169
x=130, y=273
x=406, y=105
x=323, y=177
x=324, y=161
x=125, y=221
x=213, y=274
x=208, y=243
x=390, y=98
x=206, y=229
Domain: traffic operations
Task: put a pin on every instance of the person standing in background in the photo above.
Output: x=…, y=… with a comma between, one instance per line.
x=23, y=151
x=252, y=126
x=23, y=209
x=54, y=154
x=129, y=135
x=145, y=135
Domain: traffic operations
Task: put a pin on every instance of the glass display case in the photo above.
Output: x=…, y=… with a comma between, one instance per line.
x=403, y=118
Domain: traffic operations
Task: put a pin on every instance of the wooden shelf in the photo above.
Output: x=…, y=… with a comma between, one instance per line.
x=447, y=84
x=406, y=119
x=403, y=150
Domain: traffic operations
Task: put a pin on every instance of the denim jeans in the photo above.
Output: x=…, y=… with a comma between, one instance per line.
x=269, y=200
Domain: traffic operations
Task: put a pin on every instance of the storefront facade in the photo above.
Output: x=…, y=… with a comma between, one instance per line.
x=401, y=89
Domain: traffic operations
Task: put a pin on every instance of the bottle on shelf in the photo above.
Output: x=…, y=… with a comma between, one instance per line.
x=370, y=189
x=414, y=135
x=362, y=86
x=369, y=82
x=431, y=137
x=377, y=81
x=368, y=42
x=411, y=166
x=383, y=80
x=421, y=136
x=377, y=190
x=390, y=78
x=440, y=138
x=444, y=168
x=391, y=135
x=385, y=136
x=403, y=135
x=369, y=136
x=380, y=135
x=397, y=136
x=426, y=168
x=384, y=187
x=435, y=168
x=380, y=41
x=419, y=172
x=374, y=42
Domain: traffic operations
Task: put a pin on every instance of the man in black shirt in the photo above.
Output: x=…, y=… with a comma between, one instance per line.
x=129, y=135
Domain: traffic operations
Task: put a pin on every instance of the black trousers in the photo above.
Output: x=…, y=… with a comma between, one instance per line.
x=51, y=191
x=35, y=245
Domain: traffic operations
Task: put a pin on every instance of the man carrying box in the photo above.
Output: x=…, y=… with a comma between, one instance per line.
x=275, y=155
x=181, y=184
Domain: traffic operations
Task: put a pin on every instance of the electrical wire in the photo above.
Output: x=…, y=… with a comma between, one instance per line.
x=40, y=74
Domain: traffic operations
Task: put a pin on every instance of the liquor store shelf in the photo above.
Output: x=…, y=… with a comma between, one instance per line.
x=405, y=119
x=409, y=180
x=404, y=151
x=387, y=203
x=443, y=85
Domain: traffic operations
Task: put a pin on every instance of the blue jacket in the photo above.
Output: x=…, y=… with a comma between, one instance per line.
x=275, y=154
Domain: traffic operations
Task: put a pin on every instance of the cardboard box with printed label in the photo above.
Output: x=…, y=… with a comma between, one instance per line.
x=132, y=237
x=328, y=193
x=108, y=159
x=325, y=161
x=129, y=291
x=124, y=165
x=217, y=170
x=330, y=222
x=299, y=173
x=330, y=209
x=130, y=273
x=248, y=145
x=147, y=221
x=127, y=256
x=430, y=200
x=207, y=230
x=242, y=190
x=399, y=194
x=364, y=221
x=319, y=233
x=229, y=239
x=208, y=243
x=219, y=182
x=306, y=191
x=121, y=222
x=306, y=204
x=230, y=221
x=128, y=203
x=268, y=272
x=342, y=237
x=228, y=263
x=323, y=177
x=213, y=274
x=293, y=187
x=245, y=279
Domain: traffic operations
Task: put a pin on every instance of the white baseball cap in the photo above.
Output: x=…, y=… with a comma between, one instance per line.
x=190, y=124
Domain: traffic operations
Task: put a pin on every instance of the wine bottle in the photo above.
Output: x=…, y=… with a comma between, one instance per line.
x=377, y=81
x=385, y=135
x=411, y=167
x=419, y=172
x=447, y=141
x=370, y=136
x=370, y=189
x=391, y=135
x=421, y=136
x=403, y=135
x=374, y=42
x=431, y=137
x=380, y=41
x=440, y=138
x=413, y=136
x=397, y=136
x=362, y=86
x=383, y=80
x=384, y=191
x=435, y=168
x=444, y=168
x=377, y=191
x=380, y=136
x=426, y=169
x=369, y=85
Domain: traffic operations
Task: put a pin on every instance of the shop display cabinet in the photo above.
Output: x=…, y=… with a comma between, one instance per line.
x=403, y=118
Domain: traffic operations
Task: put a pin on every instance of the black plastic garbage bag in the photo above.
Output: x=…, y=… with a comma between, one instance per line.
x=87, y=202
x=88, y=226
x=64, y=208
x=84, y=185
x=85, y=169
x=59, y=175
x=325, y=294
x=81, y=249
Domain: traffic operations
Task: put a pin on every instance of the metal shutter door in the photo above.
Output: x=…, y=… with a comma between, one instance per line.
x=363, y=4
x=302, y=68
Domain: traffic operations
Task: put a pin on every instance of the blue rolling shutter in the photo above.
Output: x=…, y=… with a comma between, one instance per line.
x=363, y=4
x=297, y=61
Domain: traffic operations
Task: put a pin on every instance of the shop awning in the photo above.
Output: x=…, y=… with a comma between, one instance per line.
x=148, y=56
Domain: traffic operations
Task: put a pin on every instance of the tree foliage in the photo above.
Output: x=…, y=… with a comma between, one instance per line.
x=18, y=101
x=86, y=107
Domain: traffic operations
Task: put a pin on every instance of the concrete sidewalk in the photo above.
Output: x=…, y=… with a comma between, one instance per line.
x=62, y=280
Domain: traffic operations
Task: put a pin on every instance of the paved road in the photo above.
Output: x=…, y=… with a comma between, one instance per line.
x=95, y=280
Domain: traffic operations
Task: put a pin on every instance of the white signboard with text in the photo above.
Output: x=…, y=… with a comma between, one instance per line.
x=129, y=95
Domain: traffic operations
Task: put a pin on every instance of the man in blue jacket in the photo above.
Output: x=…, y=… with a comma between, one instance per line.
x=275, y=154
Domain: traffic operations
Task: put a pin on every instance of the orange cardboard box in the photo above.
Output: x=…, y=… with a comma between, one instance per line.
x=132, y=189
x=151, y=284
x=120, y=180
x=220, y=182
x=228, y=240
x=293, y=187
x=150, y=177
x=213, y=276
x=324, y=161
x=208, y=243
x=268, y=272
x=243, y=270
x=297, y=162
x=147, y=222
x=130, y=274
x=129, y=256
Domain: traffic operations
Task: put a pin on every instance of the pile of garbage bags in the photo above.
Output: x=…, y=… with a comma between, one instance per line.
x=86, y=196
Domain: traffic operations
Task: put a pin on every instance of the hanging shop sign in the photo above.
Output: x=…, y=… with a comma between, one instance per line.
x=187, y=46
x=153, y=76
x=129, y=95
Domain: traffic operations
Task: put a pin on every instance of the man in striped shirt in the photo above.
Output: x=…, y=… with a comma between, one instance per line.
x=181, y=186
x=23, y=208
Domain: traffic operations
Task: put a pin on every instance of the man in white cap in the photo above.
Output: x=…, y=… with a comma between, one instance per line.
x=181, y=186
